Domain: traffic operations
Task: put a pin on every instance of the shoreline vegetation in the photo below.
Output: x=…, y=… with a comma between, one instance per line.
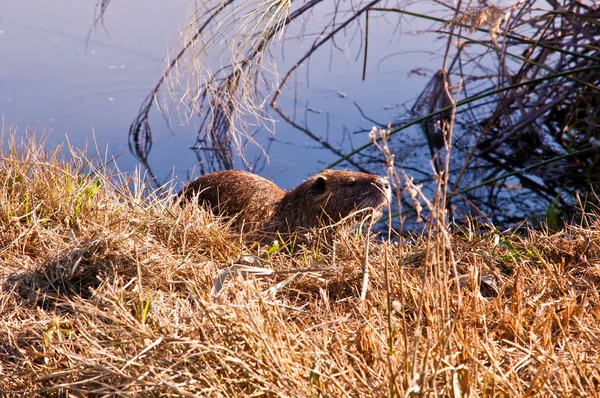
x=106, y=290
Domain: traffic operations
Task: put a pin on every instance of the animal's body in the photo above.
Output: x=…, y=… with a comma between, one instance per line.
x=261, y=206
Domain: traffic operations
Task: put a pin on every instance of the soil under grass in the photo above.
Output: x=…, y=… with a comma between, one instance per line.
x=105, y=291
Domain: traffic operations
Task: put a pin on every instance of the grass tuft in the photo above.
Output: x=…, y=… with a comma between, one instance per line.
x=105, y=291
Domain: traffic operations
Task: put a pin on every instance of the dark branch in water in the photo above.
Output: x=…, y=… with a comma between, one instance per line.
x=140, y=132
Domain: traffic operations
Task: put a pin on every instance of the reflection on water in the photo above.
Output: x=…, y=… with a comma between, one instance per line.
x=50, y=81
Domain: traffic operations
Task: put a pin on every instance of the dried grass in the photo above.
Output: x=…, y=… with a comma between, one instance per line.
x=107, y=292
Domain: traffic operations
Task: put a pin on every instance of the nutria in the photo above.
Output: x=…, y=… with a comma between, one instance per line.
x=261, y=206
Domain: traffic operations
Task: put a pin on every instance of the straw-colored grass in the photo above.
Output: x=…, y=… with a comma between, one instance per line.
x=105, y=291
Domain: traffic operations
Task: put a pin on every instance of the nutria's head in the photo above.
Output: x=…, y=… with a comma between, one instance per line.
x=332, y=195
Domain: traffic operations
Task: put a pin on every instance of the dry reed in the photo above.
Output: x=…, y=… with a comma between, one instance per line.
x=107, y=292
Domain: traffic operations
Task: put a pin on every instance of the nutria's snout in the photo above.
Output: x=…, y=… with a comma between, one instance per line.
x=378, y=197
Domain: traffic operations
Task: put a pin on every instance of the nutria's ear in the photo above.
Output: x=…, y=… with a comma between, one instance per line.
x=319, y=185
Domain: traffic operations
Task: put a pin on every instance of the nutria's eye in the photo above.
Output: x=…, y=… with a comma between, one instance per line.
x=319, y=186
x=352, y=182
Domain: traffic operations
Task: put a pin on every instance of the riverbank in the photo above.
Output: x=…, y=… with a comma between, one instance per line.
x=107, y=291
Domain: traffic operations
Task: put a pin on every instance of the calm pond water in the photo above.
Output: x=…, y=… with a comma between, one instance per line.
x=53, y=80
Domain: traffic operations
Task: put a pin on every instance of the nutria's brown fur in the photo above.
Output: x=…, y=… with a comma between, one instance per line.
x=263, y=207
x=249, y=197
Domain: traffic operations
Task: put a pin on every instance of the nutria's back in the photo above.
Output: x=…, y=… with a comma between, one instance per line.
x=321, y=200
x=249, y=197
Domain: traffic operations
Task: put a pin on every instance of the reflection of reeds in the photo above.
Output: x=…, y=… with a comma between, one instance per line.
x=219, y=75
x=216, y=75
x=522, y=128
x=101, y=7
x=433, y=98
x=532, y=115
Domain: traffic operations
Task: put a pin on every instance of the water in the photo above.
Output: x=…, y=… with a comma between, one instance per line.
x=53, y=79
